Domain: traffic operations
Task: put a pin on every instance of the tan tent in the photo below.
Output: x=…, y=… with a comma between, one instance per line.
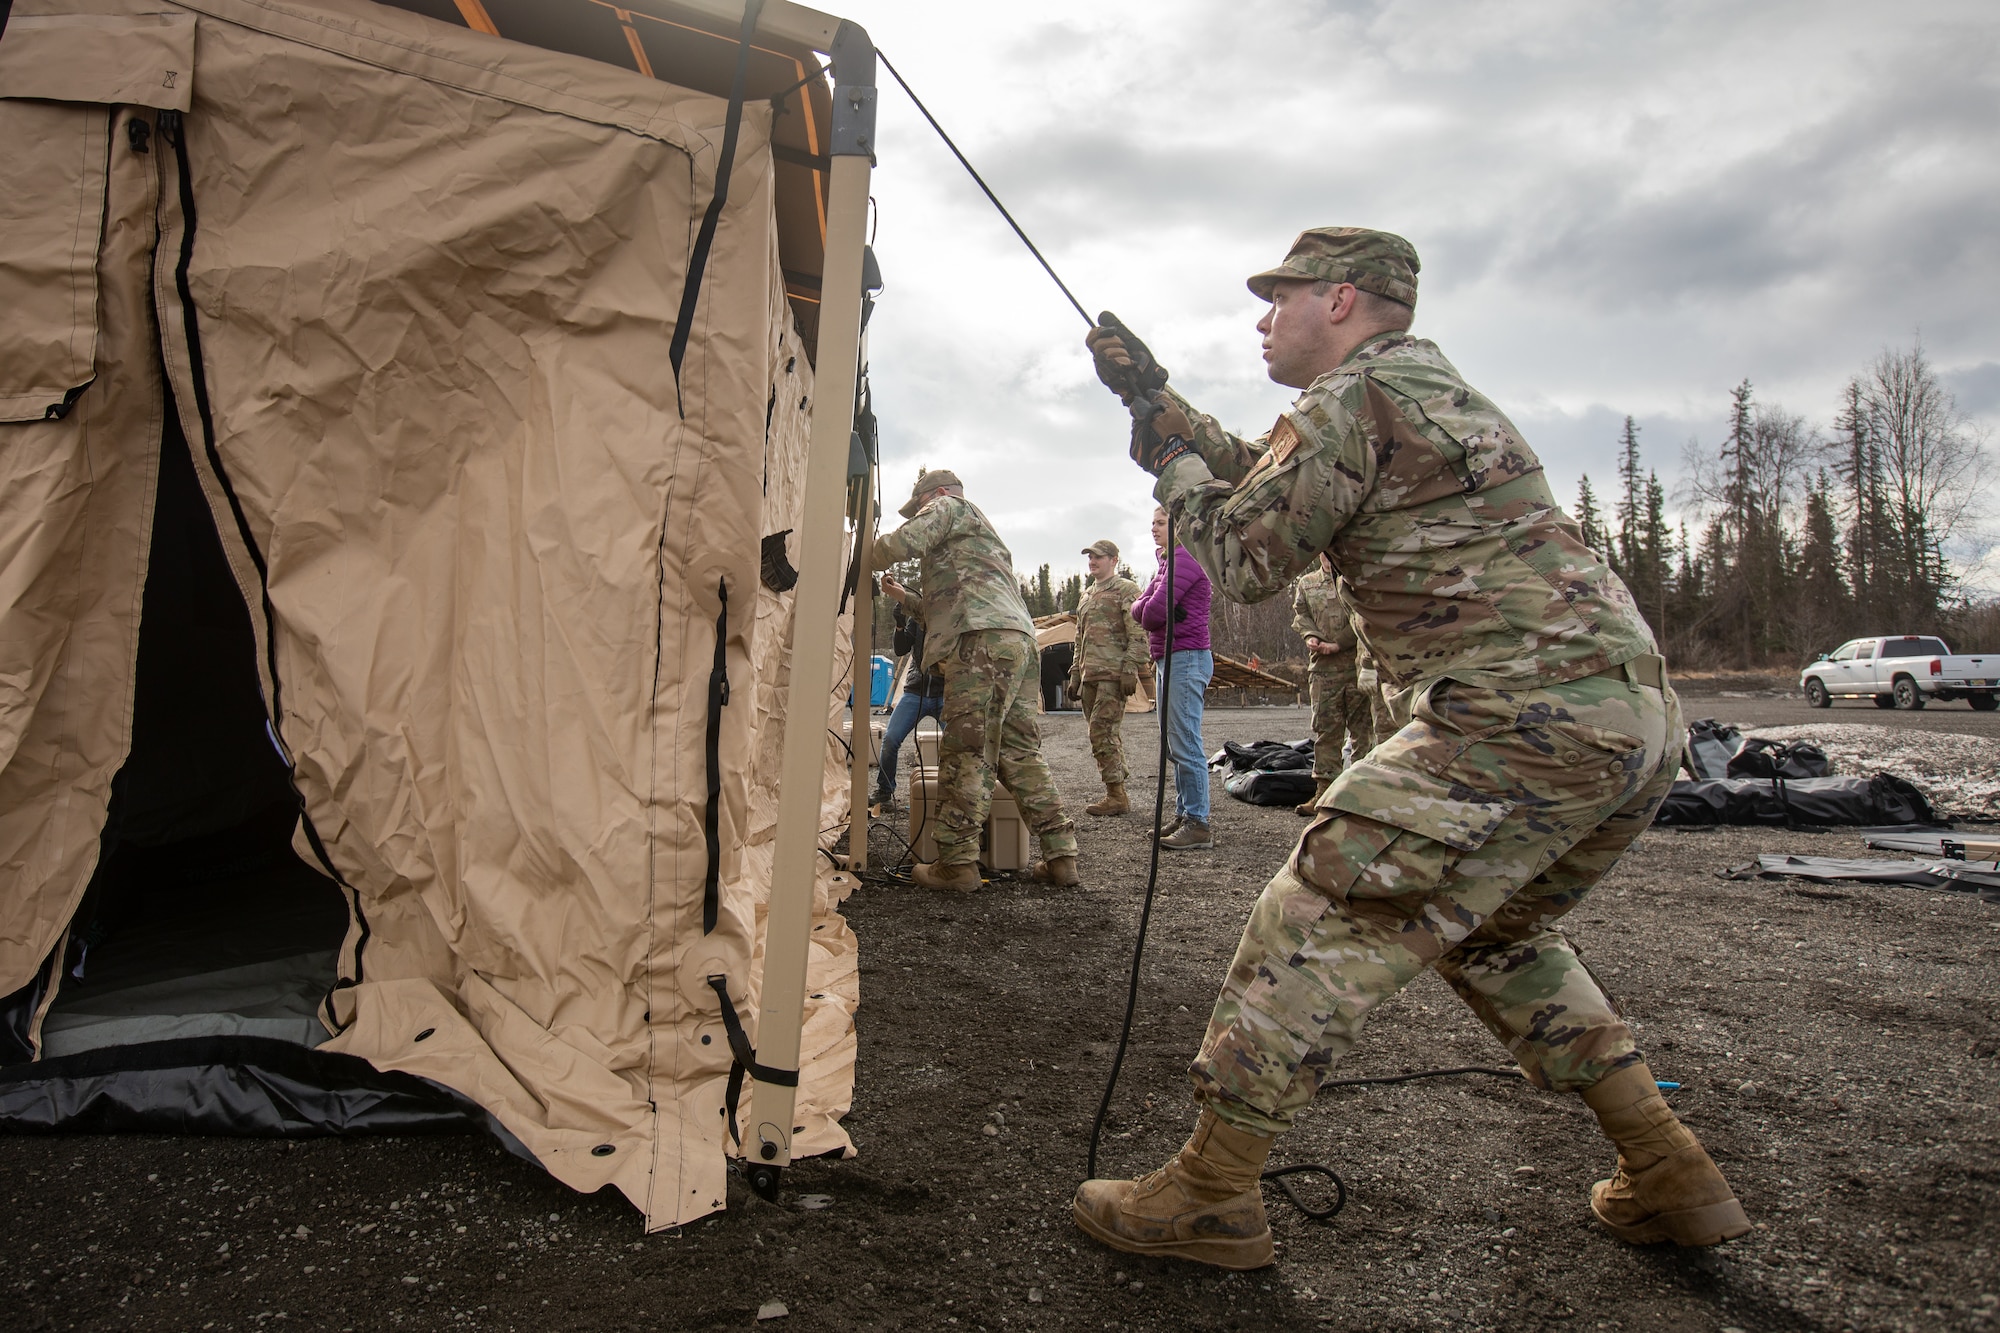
x=403, y=470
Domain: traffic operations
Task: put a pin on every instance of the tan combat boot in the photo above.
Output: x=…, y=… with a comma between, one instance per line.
x=1666, y=1187
x=1203, y=1205
x=1115, y=801
x=960, y=879
x=1311, y=808
x=1057, y=870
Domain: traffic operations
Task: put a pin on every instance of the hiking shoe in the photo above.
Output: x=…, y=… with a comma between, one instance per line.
x=1189, y=835
x=1202, y=1205
x=959, y=879
x=1666, y=1188
x=1114, y=801
x=1172, y=825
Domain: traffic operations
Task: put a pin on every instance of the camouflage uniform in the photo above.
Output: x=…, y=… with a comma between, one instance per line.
x=979, y=637
x=1540, y=738
x=1369, y=682
x=1340, y=709
x=1110, y=649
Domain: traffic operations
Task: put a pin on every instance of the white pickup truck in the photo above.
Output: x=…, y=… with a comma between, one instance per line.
x=1902, y=671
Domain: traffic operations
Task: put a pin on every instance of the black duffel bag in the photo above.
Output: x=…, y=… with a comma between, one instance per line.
x=1882, y=799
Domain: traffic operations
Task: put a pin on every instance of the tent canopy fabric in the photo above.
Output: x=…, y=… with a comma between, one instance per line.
x=406, y=290
x=695, y=47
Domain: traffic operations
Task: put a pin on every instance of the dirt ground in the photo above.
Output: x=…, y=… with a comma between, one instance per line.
x=1838, y=1049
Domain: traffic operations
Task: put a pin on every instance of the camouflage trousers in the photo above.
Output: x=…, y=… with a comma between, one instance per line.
x=1455, y=845
x=1340, y=713
x=990, y=687
x=1104, y=706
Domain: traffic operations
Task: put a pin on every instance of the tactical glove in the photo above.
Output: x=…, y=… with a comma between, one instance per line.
x=1074, y=685
x=1125, y=364
x=1129, y=683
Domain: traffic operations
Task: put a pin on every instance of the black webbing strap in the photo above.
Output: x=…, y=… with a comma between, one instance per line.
x=705, y=238
x=711, y=816
x=745, y=1058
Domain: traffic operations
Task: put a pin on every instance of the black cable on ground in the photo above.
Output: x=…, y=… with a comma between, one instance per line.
x=1489, y=1070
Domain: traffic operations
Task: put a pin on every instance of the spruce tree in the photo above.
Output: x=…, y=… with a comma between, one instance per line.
x=1590, y=520
x=1631, y=500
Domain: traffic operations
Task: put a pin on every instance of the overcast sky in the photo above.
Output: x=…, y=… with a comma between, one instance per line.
x=1621, y=208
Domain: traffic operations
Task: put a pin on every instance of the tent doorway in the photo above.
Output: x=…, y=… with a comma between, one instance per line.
x=200, y=920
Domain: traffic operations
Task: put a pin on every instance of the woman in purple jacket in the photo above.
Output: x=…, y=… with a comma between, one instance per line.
x=1182, y=696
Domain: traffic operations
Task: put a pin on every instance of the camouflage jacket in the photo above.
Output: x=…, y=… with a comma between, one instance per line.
x=967, y=574
x=1109, y=643
x=1434, y=511
x=1320, y=612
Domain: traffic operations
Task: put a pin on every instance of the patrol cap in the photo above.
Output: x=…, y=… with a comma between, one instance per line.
x=1107, y=549
x=927, y=482
x=1374, y=261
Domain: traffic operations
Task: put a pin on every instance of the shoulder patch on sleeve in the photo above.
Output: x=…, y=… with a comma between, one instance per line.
x=1284, y=441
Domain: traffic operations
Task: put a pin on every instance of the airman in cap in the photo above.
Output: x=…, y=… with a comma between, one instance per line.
x=1111, y=655
x=979, y=637
x=1374, y=261
x=1538, y=736
x=943, y=481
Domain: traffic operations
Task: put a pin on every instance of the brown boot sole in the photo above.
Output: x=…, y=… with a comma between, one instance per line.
x=1710, y=1224
x=1240, y=1255
x=1118, y=810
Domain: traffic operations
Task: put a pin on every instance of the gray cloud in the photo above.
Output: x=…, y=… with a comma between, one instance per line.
x=1622, y=207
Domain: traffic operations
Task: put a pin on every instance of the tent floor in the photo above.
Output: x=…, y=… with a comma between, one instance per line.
x=227, y=935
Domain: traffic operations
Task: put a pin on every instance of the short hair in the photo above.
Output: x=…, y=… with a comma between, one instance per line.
x=1379, y=311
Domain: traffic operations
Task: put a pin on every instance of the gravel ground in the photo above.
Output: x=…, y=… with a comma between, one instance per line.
x=1837, y=1045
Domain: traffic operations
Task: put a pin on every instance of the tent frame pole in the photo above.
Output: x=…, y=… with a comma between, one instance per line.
x=862, y=731
x=767, y=1135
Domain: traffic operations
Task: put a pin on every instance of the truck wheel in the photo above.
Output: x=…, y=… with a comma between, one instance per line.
x=1984, y=703
x=1884, y=700
x=1908, y=697
x=1816, y=695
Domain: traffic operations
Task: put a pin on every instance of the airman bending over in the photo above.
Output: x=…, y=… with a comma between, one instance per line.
x=979, y=637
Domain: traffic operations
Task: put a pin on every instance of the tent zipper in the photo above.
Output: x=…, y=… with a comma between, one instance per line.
x=173, y=131
x=711, y=819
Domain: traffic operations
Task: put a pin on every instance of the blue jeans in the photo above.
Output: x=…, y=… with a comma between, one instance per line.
x=910, y=709
x=1193, y=668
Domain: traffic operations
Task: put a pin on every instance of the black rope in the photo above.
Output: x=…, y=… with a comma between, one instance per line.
x=980, y=181
x=1278, y=1175
x=1152, y=870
